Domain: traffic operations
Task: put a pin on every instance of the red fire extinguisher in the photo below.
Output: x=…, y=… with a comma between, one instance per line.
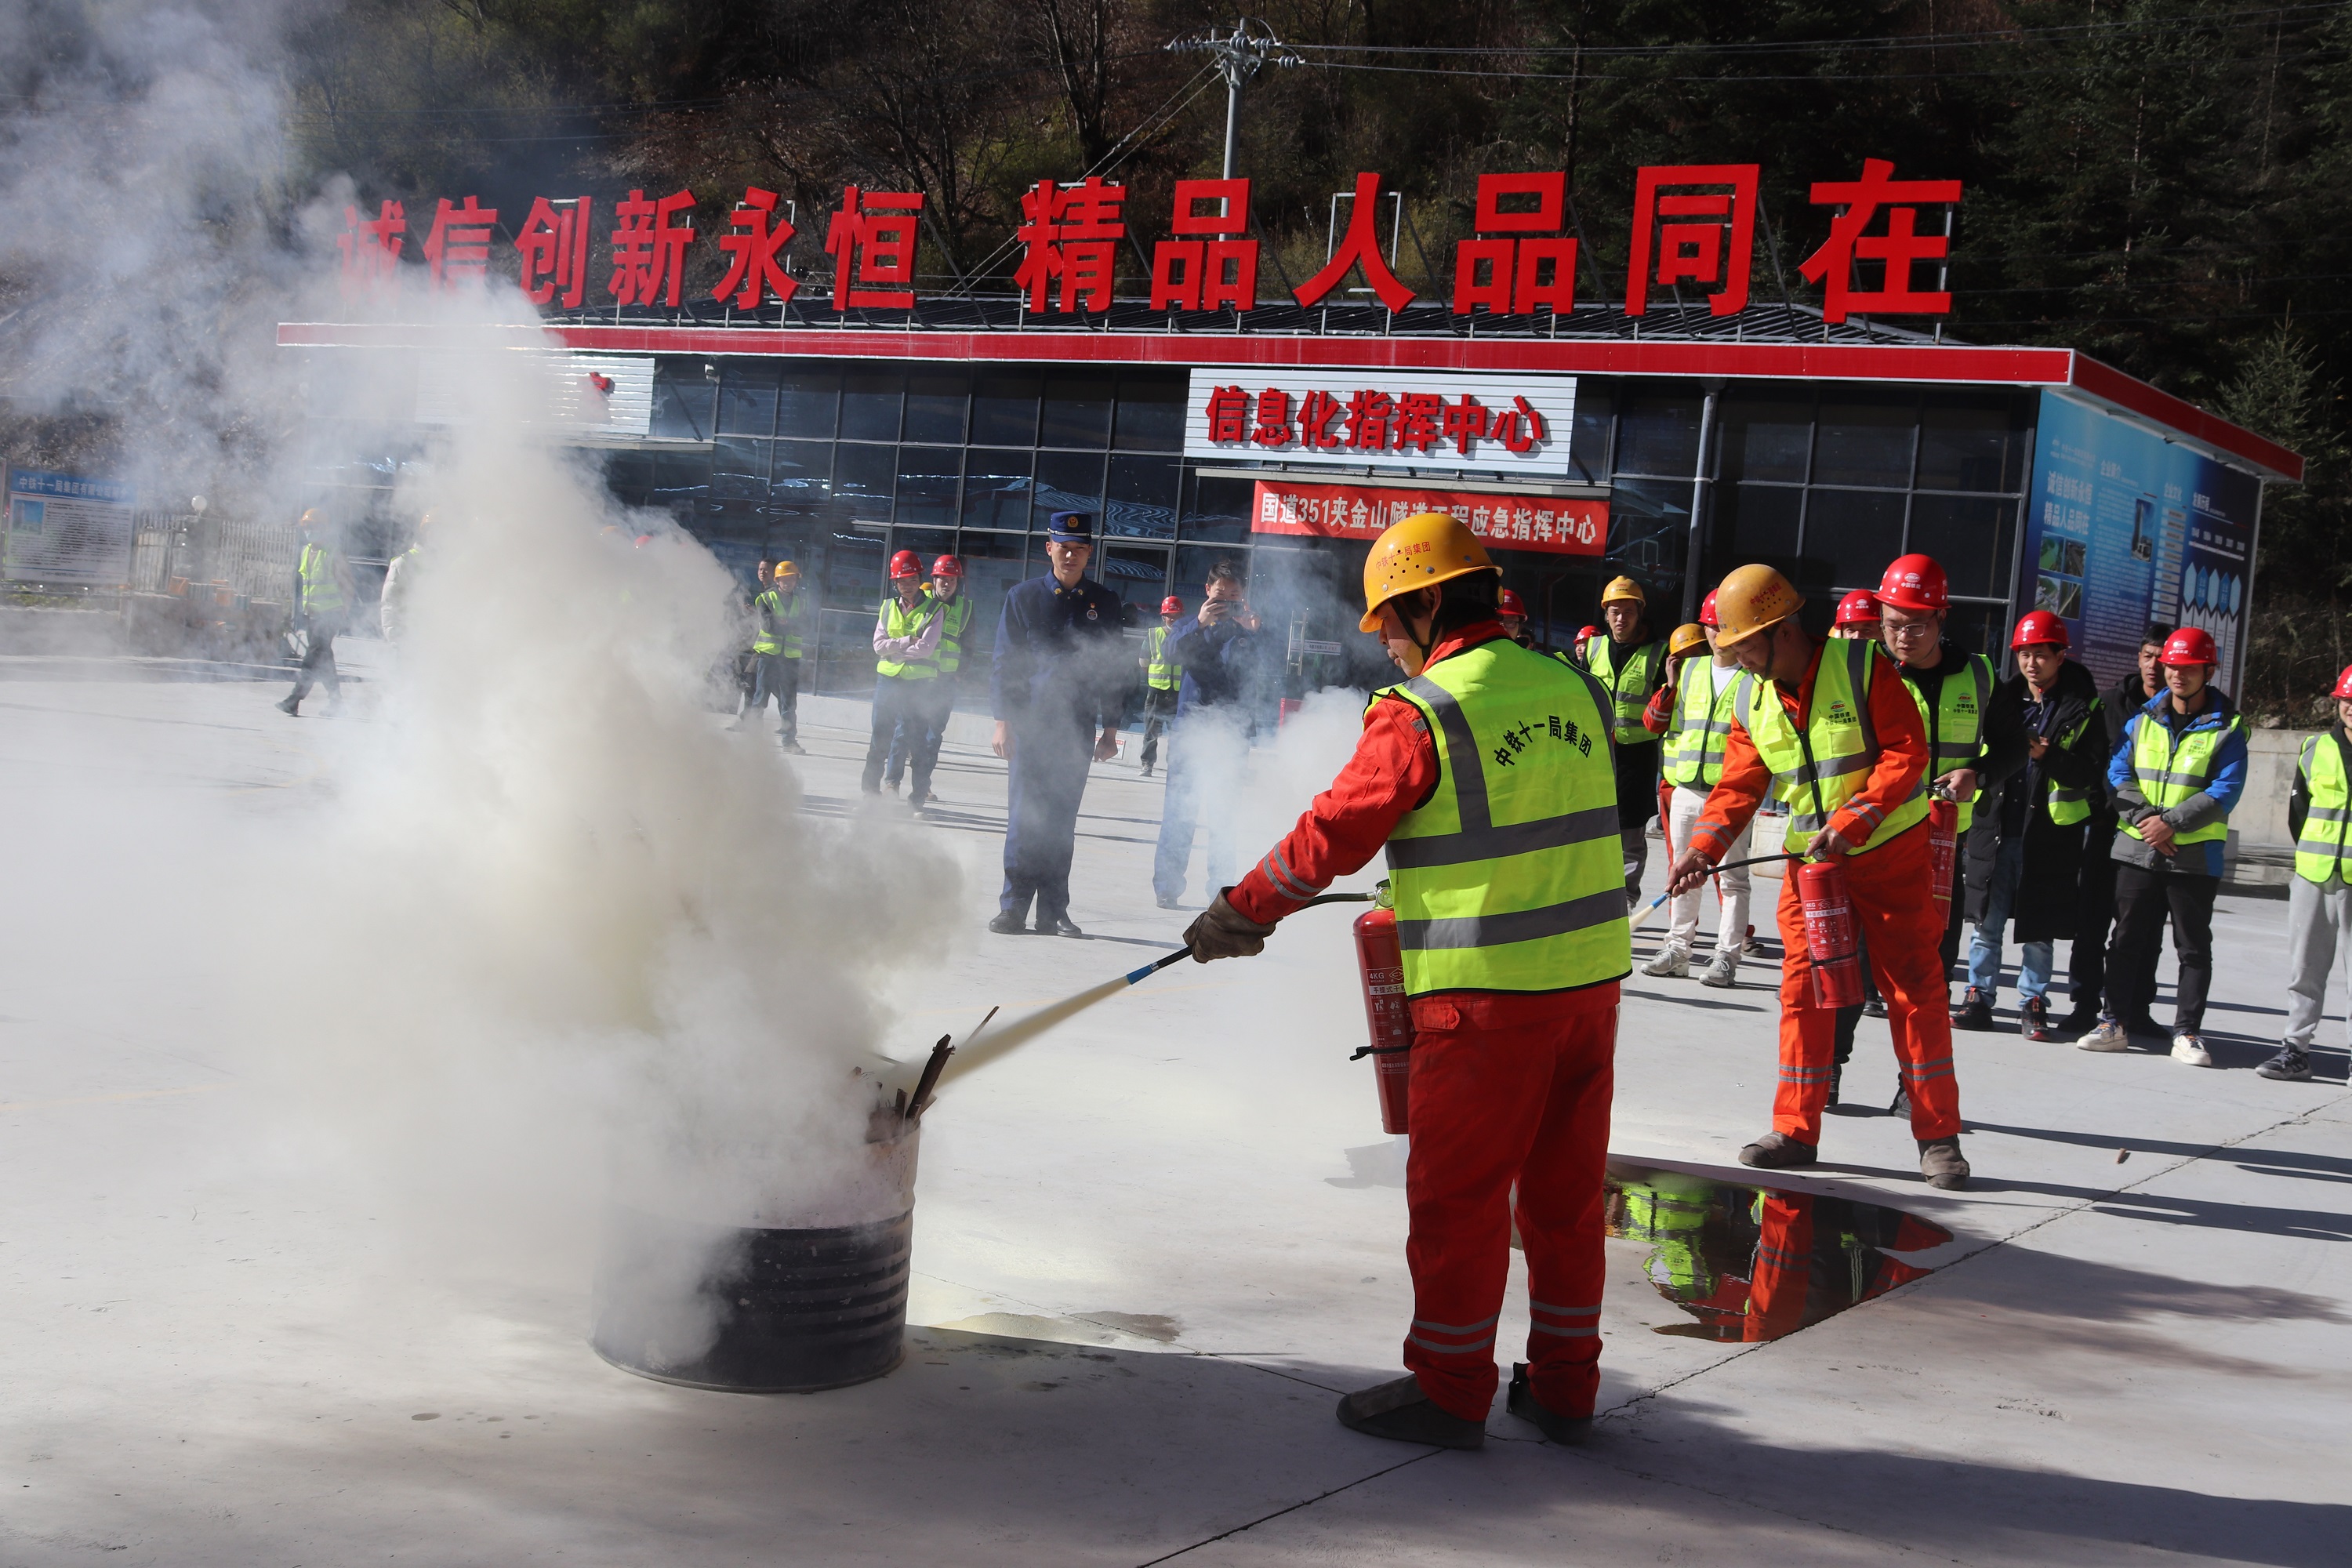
x=1831, y=945
x=1943, y=845
x=1381, y=963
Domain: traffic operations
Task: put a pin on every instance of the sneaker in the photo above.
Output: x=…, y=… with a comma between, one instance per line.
x=1401, y=1412
x=1975, y=1011
x=1724, y=970
x=1147, y=770
x=1569, y=1430
x=2290, y=1066
x=1778, y=1152
x=2109, y=1035
x=793, y=748
x=1169, y=902
x=2034, y=1020
x=1671, y=964
x=290, y=706
x=2190, y=1051
x=1941, y=1164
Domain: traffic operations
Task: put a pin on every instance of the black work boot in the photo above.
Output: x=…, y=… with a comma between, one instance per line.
x=1569, y=1430
x=1975, y=1011
x=1778, y=1152
x=1401, y=1412
x=1010, y=923
x=1940, y=1162
x=1901, y=1104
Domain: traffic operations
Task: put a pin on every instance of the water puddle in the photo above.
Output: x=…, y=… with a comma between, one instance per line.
x=1752, y=1264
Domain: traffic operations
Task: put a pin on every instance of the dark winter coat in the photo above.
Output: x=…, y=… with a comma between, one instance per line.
x=2047, y=898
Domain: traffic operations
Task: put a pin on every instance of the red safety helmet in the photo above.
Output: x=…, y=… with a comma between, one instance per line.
x=906, y=563
x=2189, y=644
x=1916, y=582
x=1508, y=604
x=1706, y=611
x=1859, y=609
x=1588, y=632
x=2343, y=683
x=1171, y=605
x=945, y=566
x=2039, y=626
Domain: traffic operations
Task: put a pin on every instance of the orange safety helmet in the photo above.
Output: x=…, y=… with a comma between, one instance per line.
x=2189, y=644
x=1859, y=609
x=2344, y=683
x=946, y=566
x=1424, y=549
x=906, y=563
x=1509, y=605
x=2039, y=626
x=1916, y=582
x=1706, y=610
x=1689, y=637
x=1171, y=605
x=1752, y=599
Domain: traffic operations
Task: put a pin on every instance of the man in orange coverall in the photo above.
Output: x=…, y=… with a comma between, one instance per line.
x=1487, y=775
x=1832, y=731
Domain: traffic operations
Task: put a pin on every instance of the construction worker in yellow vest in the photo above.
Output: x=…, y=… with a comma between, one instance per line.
x=1694, y=712
x=936, y=703
x=1162, y=676
x=905, y=670
x=324, y=593
x=2319, y=897
x=778, y=644
x=1630, y=663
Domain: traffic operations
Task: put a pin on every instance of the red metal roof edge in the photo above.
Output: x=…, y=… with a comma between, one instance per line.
x=1951, y=364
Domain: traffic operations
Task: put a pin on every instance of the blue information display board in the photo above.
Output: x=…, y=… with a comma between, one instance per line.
x=2127, y=528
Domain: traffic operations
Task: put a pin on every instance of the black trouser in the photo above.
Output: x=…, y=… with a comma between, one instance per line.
x=1849, y=1017
x=1159, y=709
x=2095, y=917
x=2143, y=898
x=319, y=659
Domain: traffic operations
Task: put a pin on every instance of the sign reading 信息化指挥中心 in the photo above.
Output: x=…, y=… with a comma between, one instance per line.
x=1384, y=419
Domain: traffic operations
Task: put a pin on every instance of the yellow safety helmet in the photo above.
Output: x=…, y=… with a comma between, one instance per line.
x=1690, y=637
x=1421, y=551
x=1625, y=588
x=1750, y=599
x=784, y=569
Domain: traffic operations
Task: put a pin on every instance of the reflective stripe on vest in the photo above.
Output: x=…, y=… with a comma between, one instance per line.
x=779, y=632
x=898, y=621
x=1955, y=725
x=2319, y=847
x=958, y=611
x=2069, y=806
x=1628, y=683
x=1817, y=771
x=2169, y=772
x=1160, y=672
x=1510, y=876
x=1704, y=705
x=320, y=592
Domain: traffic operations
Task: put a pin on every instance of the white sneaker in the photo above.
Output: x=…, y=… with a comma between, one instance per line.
x=2109, y=1035
x=1724, y=970
x=1671, y=964
x=2190, y=1050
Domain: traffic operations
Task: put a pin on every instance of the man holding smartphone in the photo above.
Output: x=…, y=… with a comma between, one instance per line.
x=1217, y=705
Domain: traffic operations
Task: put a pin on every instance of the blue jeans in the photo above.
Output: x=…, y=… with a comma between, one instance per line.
x=1984, y=953
x=1207, y=754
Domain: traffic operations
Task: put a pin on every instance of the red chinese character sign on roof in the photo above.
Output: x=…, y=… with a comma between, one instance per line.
x=370, y=249
x=1070, y=234
x=757, y=272
x=553, y=248
x=872, y=240
x=1698, y=221
x=1206, y=274
x=649, y=250
x=1511, y=275
x=1360, y=246
x=458, y=250
x=1895, y=250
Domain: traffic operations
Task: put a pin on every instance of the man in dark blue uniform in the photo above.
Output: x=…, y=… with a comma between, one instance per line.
x=1060, y=678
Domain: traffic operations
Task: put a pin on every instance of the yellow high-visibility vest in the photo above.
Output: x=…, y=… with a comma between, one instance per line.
x=1818, y=769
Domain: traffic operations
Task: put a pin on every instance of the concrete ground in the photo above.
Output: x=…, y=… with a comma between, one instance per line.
x=1151, y=1249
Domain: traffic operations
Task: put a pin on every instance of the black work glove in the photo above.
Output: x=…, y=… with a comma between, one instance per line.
x=1224, y=932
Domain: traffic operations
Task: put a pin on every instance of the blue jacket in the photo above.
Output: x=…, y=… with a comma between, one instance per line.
x=1060, y=656
x=2215, y=800
x=1224, y=666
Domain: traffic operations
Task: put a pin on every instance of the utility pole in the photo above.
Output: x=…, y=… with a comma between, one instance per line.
x=1239, y=51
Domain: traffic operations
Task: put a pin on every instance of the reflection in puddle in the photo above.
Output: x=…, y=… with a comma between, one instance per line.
x=1754, y=1264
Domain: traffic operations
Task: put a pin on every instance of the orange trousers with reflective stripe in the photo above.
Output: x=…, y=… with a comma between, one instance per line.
x=1903, y=927
x=1508, y=1090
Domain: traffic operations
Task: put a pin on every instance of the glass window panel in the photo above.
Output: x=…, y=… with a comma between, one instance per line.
x=870, y=404
x=1005, y=408
x=1970, y=444
x=1756, y=522
x=927, y=484
x=747, y=399
x=850, y=580
x=863, y=480
x=739, y=468
x=1864, y=444
x=996, y=487
x=928, y=543
x=1649, y=531
x=1765, y=440
x=683, y=399
x=807, y=400
x=1849, y=536
x=1076, y=410
x=1217, y=509
x=1138, y=574
x=802, y=474
x=1067, y=481
x=630, y=477
x=1141, y=499
x=1588, y=448
x=1969, y=537
x=993, y=563
x=1658, y=435
x=685, y=477
x=1151, y=413
x=935, y=406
